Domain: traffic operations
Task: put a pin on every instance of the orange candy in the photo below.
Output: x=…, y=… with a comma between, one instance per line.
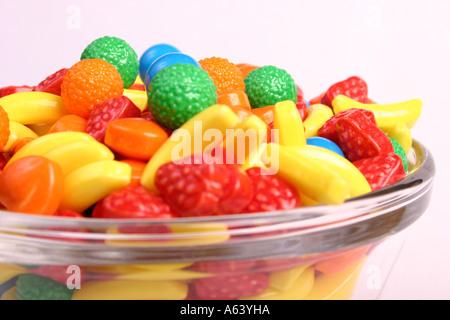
x=342, y=260
x=265, y=114
x=32, y=184
x=234, y=98
x=225, y=75
x=4, y=128
x=135, y=138
x=89, y=82
x=137, y=168
x=69, y=122
x=246, y=68
x=242, y=113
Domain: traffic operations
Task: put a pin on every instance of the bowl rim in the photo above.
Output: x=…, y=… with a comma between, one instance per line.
x=418, y=180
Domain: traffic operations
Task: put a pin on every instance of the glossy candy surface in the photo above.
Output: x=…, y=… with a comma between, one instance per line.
x=205, y=156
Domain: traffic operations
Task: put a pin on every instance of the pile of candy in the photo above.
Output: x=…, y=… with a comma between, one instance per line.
x=167, y=136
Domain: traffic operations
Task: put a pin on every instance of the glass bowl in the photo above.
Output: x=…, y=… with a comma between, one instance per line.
x=315, y=252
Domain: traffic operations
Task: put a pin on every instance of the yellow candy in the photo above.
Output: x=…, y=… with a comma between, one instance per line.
x=354, y=177
x=33, y=107
x=17, y=132
x=10, y=294
x=75, y=154
x=130, y=268
x=284, y=280
x=8, y=271
x=386, y=115
x=402, y=134
x=40, y=128
x=218, y=118
x=213, y=233
x=138, y=97
x=88, y=184
x=318, y=181
x=299, y=289
x=131, y=290
x=47, y=142
x=289, y=124
x=163, y=275
x=318, y=114
x=337, y=287
x=246, y=139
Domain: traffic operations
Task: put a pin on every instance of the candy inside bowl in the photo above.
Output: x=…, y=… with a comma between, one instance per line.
x=317, y=252
x=209, y=181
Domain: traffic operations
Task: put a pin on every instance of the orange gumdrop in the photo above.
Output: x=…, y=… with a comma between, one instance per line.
x=137, y=168
x=69, y=122
x=32, y=184
x=135, y=138
x=234, y=98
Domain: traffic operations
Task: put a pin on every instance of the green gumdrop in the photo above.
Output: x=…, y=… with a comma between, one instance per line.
x=268, y=85
x=35, y=287
x=178, y=92
x=398, y=150
x=116, y=52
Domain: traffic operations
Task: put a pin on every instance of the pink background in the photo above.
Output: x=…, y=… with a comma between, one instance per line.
x=400, y=48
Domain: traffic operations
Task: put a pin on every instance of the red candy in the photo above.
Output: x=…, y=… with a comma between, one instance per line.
x=109, y=110
x=204, y=187
x=360, y=137
x=270, y=193
x=231, y=287
x=133, y=202
x=5, y=91
x=382, y=170
x=329, y=130
x=353, y=87
x=52, y=84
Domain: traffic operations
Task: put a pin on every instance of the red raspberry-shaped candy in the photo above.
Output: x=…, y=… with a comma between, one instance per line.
x=270, y=193
x=107, y=111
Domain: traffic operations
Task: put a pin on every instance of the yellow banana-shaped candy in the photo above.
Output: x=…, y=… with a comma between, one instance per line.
x=33, y=107
x=88, y=184
x=195, y=135
x=131, y=290
x=245, y=140
x=318, y=114
x=318, y=181
x=357, y=181
x=40, y=128
x=300, y=288
x=289, y=124
x=43, y=144
x=73, y=155
x=138, y=97
x=198, y=234
x=386, y=115
x=339, y=286
x=283, y=280
x=17, y=132
x=402, y=134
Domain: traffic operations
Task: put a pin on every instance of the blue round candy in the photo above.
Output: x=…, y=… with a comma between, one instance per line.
x=324, y=143
x=151, y=54
x=168, y=60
